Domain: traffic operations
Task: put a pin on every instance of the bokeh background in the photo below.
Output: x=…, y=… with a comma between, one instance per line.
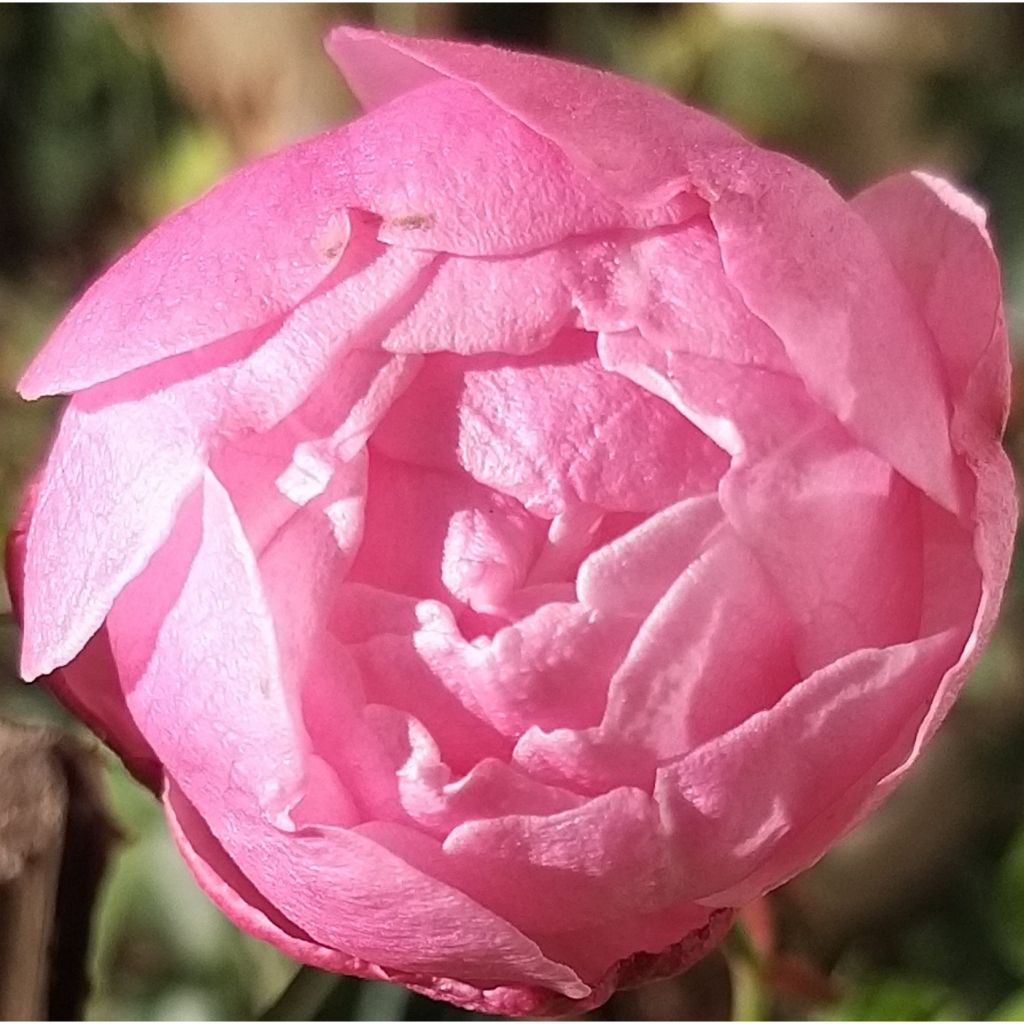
x=110, y=116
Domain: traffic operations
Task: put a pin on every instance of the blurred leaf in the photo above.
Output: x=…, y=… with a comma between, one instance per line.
x=1011, y=1009
x=897, y=997
x=1009, y=902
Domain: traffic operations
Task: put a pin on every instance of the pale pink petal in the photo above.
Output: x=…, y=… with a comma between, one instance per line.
x=670, y=695
x=89, y=686
x=423, y=790
x=583, y=760
x=129, y=451
x=131, y=464
x=671, y=286
x=376, y=630
x=839, y=533
x=549, y=669
x=234, y=262
x=601, y=861
x=512, y=304
x=936, y=236
x=235, y=746
x=220, y=878
x=745, y=410
x=630, y=574
x=746, y=813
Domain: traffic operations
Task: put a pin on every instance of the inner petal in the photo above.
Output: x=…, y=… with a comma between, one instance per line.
x=553, y=430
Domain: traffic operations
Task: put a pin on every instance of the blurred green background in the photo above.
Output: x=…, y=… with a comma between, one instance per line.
x=111, y=116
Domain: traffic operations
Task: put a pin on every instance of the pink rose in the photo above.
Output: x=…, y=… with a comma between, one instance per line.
x=519, y=526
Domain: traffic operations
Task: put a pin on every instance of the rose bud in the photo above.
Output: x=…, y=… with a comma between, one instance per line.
x=521, y=526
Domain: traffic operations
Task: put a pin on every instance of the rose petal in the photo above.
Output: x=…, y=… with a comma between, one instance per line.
x=221, y=879
x=806, y=265
x=936, y=239
x=804, y=262
x=629, y=575
x=931, y=233
x=338, y=886
x=129, y=451
x=746, y=814
x=512, y=304
x=736, y=660
x=376, y=629
x=588, y=865
x=89, y=686
x=589, y=114
x=839, y=534
x=671, y=286
x=423, y=791
x=747, y=410
x=551, y=668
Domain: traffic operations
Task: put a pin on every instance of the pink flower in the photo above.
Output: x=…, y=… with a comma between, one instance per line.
x=522, y=525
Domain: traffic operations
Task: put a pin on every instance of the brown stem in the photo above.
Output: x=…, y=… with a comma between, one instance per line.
x=54, y=839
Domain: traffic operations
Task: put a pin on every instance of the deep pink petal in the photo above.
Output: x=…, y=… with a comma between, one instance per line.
x=239, y=899
x=807, y=265
x=803, y=261
x=265, y=240
x=629, y=137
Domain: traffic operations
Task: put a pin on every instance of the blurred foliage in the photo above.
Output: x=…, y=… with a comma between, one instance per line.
x=105, y=125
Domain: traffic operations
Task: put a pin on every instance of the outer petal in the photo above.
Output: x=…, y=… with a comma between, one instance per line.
x=937, y=242
x=270, y=235
x=839, y=532
x=936, y=239
x=89, y=686
x=589, y=113
x=678, y=939
x=746, y=814
x=128, y=452
x=222, y=880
